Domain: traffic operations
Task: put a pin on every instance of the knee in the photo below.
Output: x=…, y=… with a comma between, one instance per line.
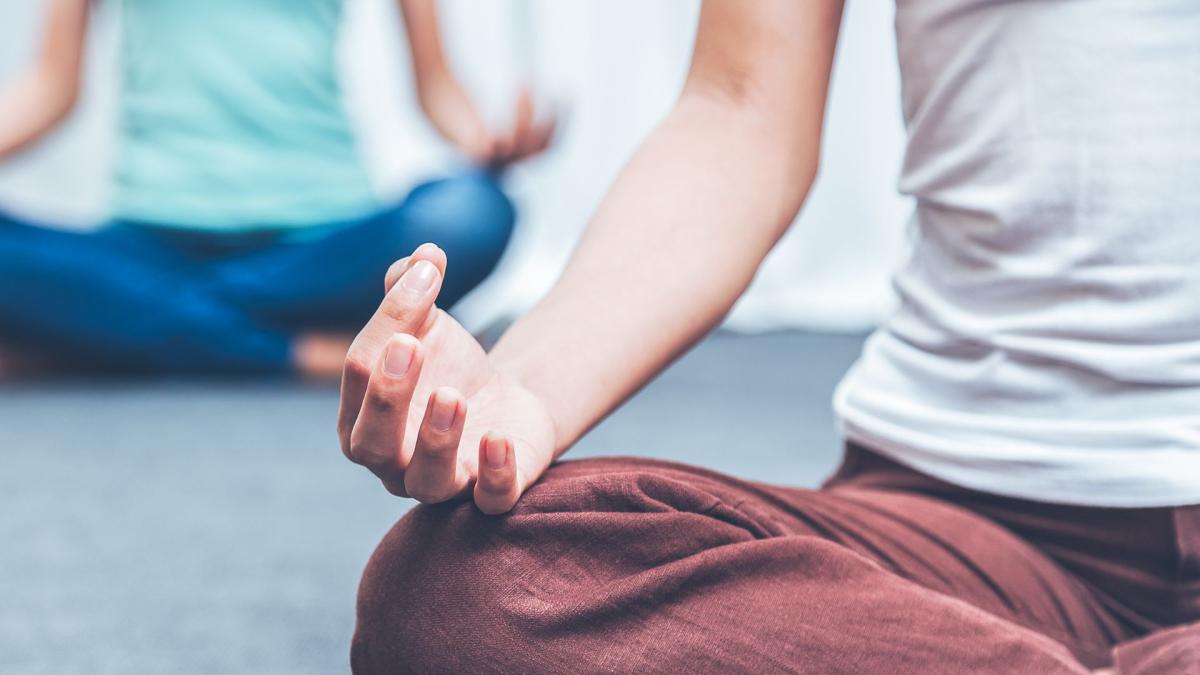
x=468, y=212
x=449, y=587
x=410, y=590
x=436, y=594
x=470, y=218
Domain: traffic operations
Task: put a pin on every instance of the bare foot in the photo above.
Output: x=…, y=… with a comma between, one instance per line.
x=7, y=365
x=16, y=363
x=320, y=356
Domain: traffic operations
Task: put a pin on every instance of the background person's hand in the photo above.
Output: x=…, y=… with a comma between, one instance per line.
x=423, y=408
x=528, y=136
x=455, y=117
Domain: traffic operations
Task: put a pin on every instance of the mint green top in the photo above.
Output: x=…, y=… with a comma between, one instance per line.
x=231, y=116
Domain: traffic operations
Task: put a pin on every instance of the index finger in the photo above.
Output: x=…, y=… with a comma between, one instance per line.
x=405, y=309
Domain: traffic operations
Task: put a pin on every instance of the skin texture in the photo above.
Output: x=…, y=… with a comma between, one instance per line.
x=676, y=241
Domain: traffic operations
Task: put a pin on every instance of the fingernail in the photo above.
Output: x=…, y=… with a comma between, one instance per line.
x=496, y=453
x=419, y=278
x=398, y=358
x=442, y=415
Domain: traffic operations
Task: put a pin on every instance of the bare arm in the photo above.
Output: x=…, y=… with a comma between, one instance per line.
x=448, y=107
x=424, y=44
x=40, y=96
x=684, y=229
x=676, y=241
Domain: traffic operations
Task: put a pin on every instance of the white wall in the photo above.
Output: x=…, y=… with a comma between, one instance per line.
x=613, y=67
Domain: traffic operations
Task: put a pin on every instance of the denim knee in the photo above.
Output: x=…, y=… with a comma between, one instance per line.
x=470, y=217
x=468, y=214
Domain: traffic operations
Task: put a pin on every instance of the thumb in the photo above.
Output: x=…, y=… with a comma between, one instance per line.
x=427, y=251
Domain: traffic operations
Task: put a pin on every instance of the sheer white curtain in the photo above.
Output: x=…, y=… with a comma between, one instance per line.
x=612, y=68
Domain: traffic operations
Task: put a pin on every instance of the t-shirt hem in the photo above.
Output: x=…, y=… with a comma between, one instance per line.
x=1027, y=487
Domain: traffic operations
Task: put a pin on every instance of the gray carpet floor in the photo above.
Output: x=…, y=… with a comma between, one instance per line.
x=214, y=527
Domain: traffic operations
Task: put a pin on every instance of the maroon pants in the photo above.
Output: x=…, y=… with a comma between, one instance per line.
x=633, y=565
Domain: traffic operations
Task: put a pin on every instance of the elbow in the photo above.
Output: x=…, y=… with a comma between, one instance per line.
x=791, y=154
x=65, y=103
x=803, y=174
x=784, y=137
x=797, y=163
x=59, y=93
x=806, y=167
x=775, y=139
x=38, y=104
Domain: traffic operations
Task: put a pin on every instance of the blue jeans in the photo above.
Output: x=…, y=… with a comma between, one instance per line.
x=135, y=296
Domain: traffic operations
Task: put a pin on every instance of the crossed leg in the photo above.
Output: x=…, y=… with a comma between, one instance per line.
x=335, y=281
x=127, y=298
x=116, y=299
x=624, y=565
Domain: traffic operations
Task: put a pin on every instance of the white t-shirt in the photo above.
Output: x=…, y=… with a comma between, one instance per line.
x=1047, y=344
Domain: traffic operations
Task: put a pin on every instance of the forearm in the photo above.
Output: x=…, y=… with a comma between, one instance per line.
x=429, y=69
x=663, y=261
x=677, y=240
x=439, y=94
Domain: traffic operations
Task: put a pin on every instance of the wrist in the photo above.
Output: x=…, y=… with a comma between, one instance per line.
x=515, y=371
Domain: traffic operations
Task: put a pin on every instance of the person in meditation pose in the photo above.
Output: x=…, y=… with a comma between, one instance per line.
x=243, y=234
x=1020, y=491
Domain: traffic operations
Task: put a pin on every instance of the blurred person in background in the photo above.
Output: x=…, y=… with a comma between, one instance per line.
x=244, y=235
x=1020, y=490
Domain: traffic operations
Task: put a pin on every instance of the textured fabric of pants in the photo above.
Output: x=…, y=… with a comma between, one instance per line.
x=159, y=298
x=634, y=565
